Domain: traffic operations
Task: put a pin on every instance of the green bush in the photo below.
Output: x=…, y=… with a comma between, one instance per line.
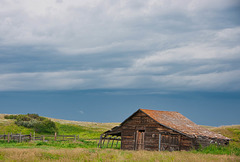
x=38, y=123
x=10, y=116
x=33, y=116
x=23, y=118
x=28, y=124
x=45, y=126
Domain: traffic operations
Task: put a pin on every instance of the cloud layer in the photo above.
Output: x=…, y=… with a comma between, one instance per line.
x=165, y=45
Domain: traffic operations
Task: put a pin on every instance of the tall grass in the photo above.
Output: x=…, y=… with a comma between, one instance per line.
x=82, y=154
x=232, y=149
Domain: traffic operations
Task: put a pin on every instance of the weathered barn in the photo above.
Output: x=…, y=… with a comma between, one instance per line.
x=161, y=130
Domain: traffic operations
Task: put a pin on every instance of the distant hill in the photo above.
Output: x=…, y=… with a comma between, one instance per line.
x=104, y=126
x=230, y=131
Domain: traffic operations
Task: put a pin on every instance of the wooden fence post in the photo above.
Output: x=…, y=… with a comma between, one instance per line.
x=78, y=137
x=8, y=137
x=30, y=136
x=43, y=138
x=20, y=139
x=74, y=138
x=55, y=136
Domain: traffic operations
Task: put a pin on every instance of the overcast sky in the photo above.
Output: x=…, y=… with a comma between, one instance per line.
x=151, y=46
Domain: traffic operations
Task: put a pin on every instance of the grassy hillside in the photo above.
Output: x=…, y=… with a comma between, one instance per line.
x=232, y=131
x=103, y=126
x=8, y=125
x=66, y=127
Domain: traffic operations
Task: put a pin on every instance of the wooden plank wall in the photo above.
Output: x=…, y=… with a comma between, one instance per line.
x=140, y=121
x=204, y=142
x=186, y=143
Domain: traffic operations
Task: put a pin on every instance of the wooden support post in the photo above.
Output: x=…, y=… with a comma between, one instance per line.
x=55, y=136
x=113, y=141
x=159, y=142
x=108, y=141
x=117, y=142
x=8, y=138
x=104, y=138
x=43, y=138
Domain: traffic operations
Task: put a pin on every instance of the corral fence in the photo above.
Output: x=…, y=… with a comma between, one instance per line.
x=34, y=137
x=55, y=137
x=109, y=142
x=15, y=137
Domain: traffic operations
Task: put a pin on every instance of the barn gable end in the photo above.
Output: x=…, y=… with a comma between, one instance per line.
x=142, y=132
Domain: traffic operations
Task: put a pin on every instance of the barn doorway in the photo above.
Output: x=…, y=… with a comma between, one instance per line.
x=140, y=139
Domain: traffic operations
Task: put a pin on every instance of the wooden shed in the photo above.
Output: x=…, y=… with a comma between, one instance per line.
x=161, y=130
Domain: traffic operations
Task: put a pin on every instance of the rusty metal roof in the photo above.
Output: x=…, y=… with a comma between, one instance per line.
x=180, y=123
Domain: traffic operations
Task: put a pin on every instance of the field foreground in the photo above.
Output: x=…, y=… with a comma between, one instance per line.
x=81, y=154
x=85, y=149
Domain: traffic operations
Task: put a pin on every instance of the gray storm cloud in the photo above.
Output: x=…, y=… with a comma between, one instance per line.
x=165, y=45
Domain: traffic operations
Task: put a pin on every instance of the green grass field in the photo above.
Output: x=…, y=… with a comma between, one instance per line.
x=86, y=150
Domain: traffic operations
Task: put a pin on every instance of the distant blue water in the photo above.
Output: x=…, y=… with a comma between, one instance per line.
x=212, y=109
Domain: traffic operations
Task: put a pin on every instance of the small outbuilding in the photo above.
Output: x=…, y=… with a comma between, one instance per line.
x=161, y=130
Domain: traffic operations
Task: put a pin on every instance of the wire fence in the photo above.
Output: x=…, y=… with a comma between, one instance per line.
x=36, y=137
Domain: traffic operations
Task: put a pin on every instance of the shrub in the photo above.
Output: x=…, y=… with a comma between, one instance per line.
x=10, y=116
x=23, y=118
x=46, y=126
x=33, y=116
x=41, y=118
x=29, y=124
x=40, y=124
